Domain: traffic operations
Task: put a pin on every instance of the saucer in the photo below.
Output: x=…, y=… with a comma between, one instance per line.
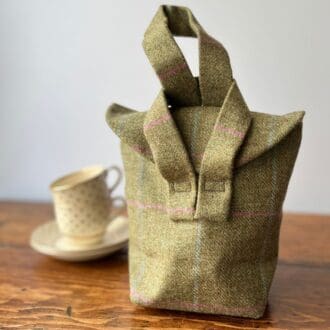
x=47, y=239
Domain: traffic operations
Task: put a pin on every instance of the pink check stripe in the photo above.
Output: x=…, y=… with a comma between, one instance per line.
x=247, y=214
x=141, y=150
x=198, y=156
x=187, y=210
x=172, y=71
x=160, y=207
x=230, y=130
x=156, y=122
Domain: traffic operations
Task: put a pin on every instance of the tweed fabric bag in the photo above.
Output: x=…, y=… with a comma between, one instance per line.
x=205, y=181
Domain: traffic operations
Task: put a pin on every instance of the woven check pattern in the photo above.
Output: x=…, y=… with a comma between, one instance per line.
x=205, y=181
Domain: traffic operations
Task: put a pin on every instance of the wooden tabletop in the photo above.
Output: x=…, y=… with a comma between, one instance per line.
x=37, y=292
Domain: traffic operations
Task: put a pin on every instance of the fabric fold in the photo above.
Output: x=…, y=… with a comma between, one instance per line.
x=170, y=157
x=216, y=174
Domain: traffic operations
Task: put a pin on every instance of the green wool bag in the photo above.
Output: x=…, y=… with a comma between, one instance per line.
x=205, y=181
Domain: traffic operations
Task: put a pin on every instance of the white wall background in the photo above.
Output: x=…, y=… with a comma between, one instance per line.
x=62, y=62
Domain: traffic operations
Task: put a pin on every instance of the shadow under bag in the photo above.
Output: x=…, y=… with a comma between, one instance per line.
x=205, y=181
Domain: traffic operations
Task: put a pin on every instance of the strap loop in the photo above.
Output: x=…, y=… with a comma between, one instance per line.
x=171, y=67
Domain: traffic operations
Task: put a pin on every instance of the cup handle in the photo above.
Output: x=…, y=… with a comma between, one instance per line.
x=119, y=177
x=118, y=210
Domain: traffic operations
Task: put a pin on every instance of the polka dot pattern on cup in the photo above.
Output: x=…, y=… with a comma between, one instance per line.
x=83, y=210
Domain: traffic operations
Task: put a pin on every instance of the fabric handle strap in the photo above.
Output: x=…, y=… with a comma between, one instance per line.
x=171, y=67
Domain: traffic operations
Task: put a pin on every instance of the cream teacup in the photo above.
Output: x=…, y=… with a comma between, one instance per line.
x=84, y=206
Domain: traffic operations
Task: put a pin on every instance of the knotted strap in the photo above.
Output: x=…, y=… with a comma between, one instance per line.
x=170, y=155
x=170, y=65
x=217, y=88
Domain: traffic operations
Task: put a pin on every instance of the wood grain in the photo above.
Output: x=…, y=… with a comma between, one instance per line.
x=37, y=292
